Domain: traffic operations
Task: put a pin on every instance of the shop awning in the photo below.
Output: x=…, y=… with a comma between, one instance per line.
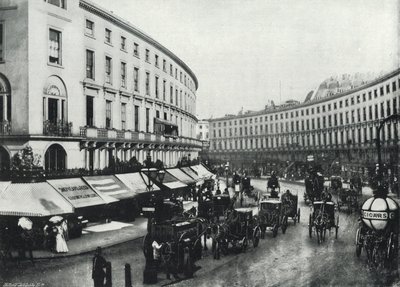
x=109, y=185
x=204, y=170
x=192, y=174
x=172, y=182
x=135, y=182
x=78, y=193
x=201, y=171
x=181, y=176
x=33, y=200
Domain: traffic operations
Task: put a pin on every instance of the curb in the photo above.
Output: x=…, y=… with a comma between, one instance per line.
x=86, y=251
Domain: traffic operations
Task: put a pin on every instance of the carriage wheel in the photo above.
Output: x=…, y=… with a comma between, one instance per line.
x=337, y=227
x=245, y=243
x=391, y=246
x=310, y=227
x=198, y=249
x=275, y=231
x=298, y=215
x=147, y=250
x=284, y=224
x=263, y=232
x=358, y=242
x=216, y=249
x=256, y=236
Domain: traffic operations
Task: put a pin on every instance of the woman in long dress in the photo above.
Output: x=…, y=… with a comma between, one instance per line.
x=61, y=244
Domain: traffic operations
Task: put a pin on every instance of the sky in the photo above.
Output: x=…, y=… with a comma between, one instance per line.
x=246, y=53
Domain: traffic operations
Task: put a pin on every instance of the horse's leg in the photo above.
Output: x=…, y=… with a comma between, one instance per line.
x=205, y=241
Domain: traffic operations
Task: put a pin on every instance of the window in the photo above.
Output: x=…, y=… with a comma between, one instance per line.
x=108, y=36
x=156, y=86
x=89, y=28
x=58, y=3
x=171, y=94
x=147, y=55
x=136, y=49
x=54, y=47
x=123, y=116
x=123, y=43
x=136, y=79
x=176, y=73
x=176, y=98
x=147, y=120
x=2, y=41
x=123, y=74
x=156, y=60
x=89, y=111
x=170, y=69
x=164, y=89
x=136, y=119
x=393, y=84
x=108, y=70
x=108, y=114
x=147, y=83
x=164, y=65
x=387, y=89
x=381, y=91
x=90, y=64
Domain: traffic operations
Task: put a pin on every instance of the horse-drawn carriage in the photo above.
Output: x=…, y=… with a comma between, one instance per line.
x=239, y=228
x=378, y=233
x=323, y=218
x=271, y=216
x=174, y=242
x=347, y=197
x=215, y=208
x=290, y=206
x=273, y=187
x=173, y=239
x=314, y=184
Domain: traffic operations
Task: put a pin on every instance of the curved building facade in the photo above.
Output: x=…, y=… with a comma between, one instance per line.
x=339, y=127
x=83, y=87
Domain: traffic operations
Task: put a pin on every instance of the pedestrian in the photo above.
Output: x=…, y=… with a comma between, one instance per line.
x=98, y=272
x=61, y=244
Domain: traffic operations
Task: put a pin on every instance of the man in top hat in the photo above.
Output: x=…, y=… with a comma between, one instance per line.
x=98, y=272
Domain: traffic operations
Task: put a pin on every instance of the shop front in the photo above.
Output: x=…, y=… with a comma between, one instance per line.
x=86, y=201
x=126, y=205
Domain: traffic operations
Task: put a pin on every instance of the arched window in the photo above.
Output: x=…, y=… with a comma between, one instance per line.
x=55, y=158
x=4, y=159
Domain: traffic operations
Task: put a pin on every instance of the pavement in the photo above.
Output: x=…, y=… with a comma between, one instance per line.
x=104, y=235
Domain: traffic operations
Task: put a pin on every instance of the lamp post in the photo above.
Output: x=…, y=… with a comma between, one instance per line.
x=151, y=173
x=226, y=173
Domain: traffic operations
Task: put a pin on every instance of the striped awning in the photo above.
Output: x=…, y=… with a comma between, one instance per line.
x=78, y=193
x=110, y=185
x=33, y=200
x=172, y=182
x=180, y=175
x=193, y=175
x=135, y=182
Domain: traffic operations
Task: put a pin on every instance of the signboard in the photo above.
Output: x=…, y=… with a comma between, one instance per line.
x=77, y=192
x=377, y=215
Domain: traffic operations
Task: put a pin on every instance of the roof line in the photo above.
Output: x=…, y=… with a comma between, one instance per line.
x=94, y=8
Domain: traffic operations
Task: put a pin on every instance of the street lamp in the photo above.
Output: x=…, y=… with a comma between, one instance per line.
x=152, y=173
x=226, y=173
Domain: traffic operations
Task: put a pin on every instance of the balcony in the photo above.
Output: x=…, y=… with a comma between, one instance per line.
x=5, y=128
x=61, y=128
x=129, y=136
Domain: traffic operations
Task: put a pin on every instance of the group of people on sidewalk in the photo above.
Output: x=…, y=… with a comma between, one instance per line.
x=56, y=236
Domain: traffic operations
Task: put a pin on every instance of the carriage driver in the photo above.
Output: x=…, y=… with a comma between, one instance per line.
x=326, y=195
x=287, y=197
